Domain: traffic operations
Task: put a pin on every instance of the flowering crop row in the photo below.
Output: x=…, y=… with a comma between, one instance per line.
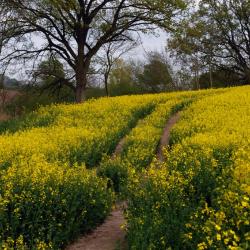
x=43, y=206
x=140, y=145
x=199, y=197
x=47, y=196
x=78, y=134
x=43, y=202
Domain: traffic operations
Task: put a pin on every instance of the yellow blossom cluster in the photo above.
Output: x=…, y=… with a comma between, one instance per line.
x=140, y=145
x=199, y=197
x=78, y=133
x=43, y=205
x=47, y=196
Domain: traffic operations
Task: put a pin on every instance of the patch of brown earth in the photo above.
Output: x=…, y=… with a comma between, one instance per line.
x=166, y=135
x=9, y=95
x=4, y=117
x=108, y=236
x=119, y=148
x=6, y=96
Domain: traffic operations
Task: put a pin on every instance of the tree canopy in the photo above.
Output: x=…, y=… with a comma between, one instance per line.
x=216, y=38
x=156, y=74
x=75, y=30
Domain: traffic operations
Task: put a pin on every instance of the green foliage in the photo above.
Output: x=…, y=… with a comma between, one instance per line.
x=156, y=75
x=220, y=79
x=50, y=79
x=157, y=210
x=93, y=92
x=132, y=77
x=118, y=173
x=199, y=197
x=50, y=205
x=121, y=80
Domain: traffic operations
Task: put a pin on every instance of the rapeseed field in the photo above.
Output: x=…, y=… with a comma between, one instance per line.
x=59, y=178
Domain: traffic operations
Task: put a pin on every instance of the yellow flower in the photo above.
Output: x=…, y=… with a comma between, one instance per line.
x=202, y=246
x=218, y=237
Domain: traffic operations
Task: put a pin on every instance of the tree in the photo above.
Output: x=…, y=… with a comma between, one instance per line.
x=3, y=38
x=112, y=52
x=77, y=29
x=231, y=34
x=10, y=30
x=221, y=78
x=156, y=75
x=188, y=49
x=3, y=27
x=216, y=38
x=50, y=76
x=121, y=78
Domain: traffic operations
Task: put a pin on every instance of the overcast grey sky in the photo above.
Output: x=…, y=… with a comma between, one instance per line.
x=149, y=43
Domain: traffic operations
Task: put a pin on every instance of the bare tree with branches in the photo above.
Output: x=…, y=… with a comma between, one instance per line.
x=112, y=52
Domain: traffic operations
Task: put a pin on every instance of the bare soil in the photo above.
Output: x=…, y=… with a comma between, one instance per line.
x=166, y=135
x=108, y=236
x=6, y=96
x=119, y=148
x=11, y=94
x=4, y=117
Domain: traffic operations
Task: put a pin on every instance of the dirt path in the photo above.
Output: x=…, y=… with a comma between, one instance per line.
x=119, y=148
x=108, y=236
x=166, y=135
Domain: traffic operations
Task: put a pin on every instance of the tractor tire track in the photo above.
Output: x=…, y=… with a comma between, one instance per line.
x=110, y=235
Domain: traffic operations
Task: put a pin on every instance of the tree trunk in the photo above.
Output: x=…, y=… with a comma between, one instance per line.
x=2, y=81
x=210, y=76
x=81, y=81
x=80, y=93
x=106, y=84
x=247, y=75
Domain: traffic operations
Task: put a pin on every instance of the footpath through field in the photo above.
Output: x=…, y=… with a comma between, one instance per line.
x=110, y=235
x=166, y=135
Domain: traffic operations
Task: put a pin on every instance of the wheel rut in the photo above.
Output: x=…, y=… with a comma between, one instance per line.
x=107, y=236
x=118, y=148
x=166, y=135
x=110, y=235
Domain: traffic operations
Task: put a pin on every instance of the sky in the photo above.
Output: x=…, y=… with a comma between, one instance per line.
x=151, y=43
